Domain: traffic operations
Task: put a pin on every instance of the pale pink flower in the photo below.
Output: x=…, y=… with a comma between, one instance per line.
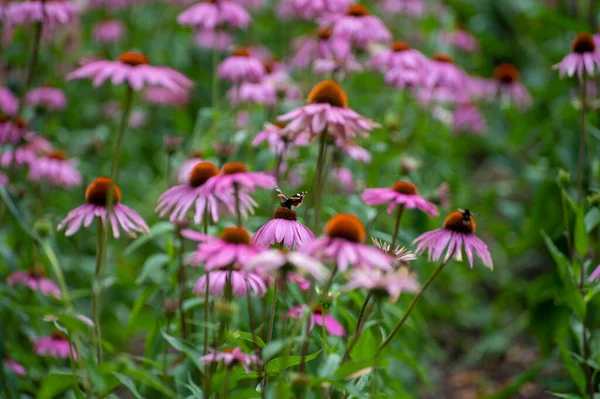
x=461, y=39
x=14, y=366
x=412, y=8
x=251, y=4
x=311, y=9
x=320, y=46
x=96, y=196
x=50, y=98
x=458, y=232
x=318, y=316
x=35, y=279
x=241, y=66
x=137, y=119
x=242, y=283
x=390, y=284
x=507, y=87
x=401, y=255
x=278, y=143
x=334, y=66
x=443, y=74
x=23, y=155
x=584, y=57
x=213, y=14
x=230, y=358
x=217, y=39
x=343, y=179
x=183, y=175
x=595, y=274
x=253, y=93
x=358, y=26
x=277, y=263
x=109, y=31
x=283, y=228
x=354, y=151
x=399, y=56
x=134, y=69
x=9, y=103
x=162, y=96
x=403, y=194
x=56, y=169
x=55, y=345
x=51, y=12
x=111, y=4
x=468, y=119
x=235, y=174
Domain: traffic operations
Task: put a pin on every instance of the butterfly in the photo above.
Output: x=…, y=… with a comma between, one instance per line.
x=294, y=200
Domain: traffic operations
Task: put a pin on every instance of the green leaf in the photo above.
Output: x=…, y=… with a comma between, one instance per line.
x=248, y=337
x=151, y=380
x=55, y=384
x=138, y=306
x=573, y=368
x=330, y=365
x=157, y=230
x=183, y=347
x=152, y=269
x=566, y=395
x=352, y=367
x=592, y=219
x=582, y=240
x=128, y=382
x=276, y=365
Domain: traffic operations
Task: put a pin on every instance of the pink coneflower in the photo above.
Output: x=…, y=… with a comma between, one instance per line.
x=110, y=31
x=401, y=255
x=56, y=169
x=595, y=274
x=320, y=46
x=183, y=175
x=235, y=174
x=217, y=39
x=26, y=153
x=12, y=130
x=277, y=263
x=137, y=120
x=55, y=345
x=334, y=66
x=178, y=200
x=443, y=74
x=354, y=151
x=332, y=326
x=9, y=103
x=35, y=279
x=96, y=196
x=399, y=56
x=212, y=14
x=584, y=57
x=480, y=88
x=468, y=119
x=253, y=93
x=311, y=9
x=3, y=180
x=358, y=26
x=507, y=87
x=241, y=283
x=162, y=96
x=234, y=245
x=111, y=4
x=50, y=98
x=412, y=8
x=342, y=179
x=278, y=143
x=384, y=284
x=327, y=112
x=58, y=12
x=458, y=231
x=444, y=195
x=344, y=245
x=461, y=39
x=241, y=66
x=402, y=194
x=135, y=70
x=14, y=366
x=230, y=358
x=251, y=4
x=283, y=228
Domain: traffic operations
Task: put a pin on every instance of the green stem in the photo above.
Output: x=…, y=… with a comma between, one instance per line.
x=56, y=268
x=363, y=316
x=251, y=320
x=97, y=289
x=226, y=386
x=128, y=102
x=324, y=332
x=181, y=280
x=319, y=177
x=581, y=142
x=37, y=38
x=397, y=227
x=237, y=205
x=412, y=304
x=270, y=329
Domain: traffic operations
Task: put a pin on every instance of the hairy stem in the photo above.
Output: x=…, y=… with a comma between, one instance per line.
x=397, y=227
x=181, y=279
x=363, y=316
x=581, y=142
x=97, y=290
x=319, y=178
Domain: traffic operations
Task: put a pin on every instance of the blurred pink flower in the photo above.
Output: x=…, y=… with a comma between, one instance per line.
x=162, y=96
x=278, y=143
x=50, y=12
x=9, y=103
x=342, y=178
x=358, y=26
x=444, y=195
x=55, y=345
x=283, y=228
x=55, y=169
x=241, y=66
x=186, y=167
x=251, y=4
x=318, y=316
x=319, y=46
x=12, y=130
x=236, y=174
x=458, y=231
x=277, y=263
x=242, y=283
x=461, y=39
x=35, y=279
x=50, y=98
x=595, y=274
x=230, y=358
x=217, y=39
x=399, y=56
x=468, y=119
x=331, y=66
x=354, y=151
x=134, y=69
x=253, y=93
x=137, y=120
x=584, y=57
x=402, y=194
x=96, y=196
x=311, y=9
x=213, y=14
x=14, y=366
x=507, y=87
x=23, y=155
x=390, y=284
x=443, y=74
x=109, y=31
x=412, y=8
x=111, y=4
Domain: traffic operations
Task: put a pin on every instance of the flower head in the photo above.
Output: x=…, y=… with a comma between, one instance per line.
x=135, y=70
x=400, y=254
x=13, y=130
x=50, y=12
x=9, y=103
x=14, y=366
x=358, y=26
x=241, y=66
x=402, y=194
x=55, y=168
x=468, y=119
x=277, y=262
x=35, y=279
x=584, y=57
x=230, y=358
x=458, y=232
x=110, y=31
x=508, y=88
x=217, y=39
x=96, y=196
x=278, y=143
x=443, y=74
x=211, y=14
x=50, y=98
x=311, y=9
x=236, y=174
x=183, y=174
x=461, y=39
x=55, y=345
x=241, y=283
x=283, y=228
x=318, y=316
x=384, y=284
x=322, y=45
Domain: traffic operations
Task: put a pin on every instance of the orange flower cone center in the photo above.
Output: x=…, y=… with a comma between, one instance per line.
x=404, y=187
x=506, y=73
x=318, y=309
x=36, y=272
x=58, y=335
x=201, y=173
x=357, y=10
x=324, y=33
x=97, y=192
x=234, y=167
x=583, y=43
x=195, y=154
x=399, y=46
x=328, y=92
x=58, y=155
x=133, y=58
x=236, y=235
x=442, y=57
x=460, y=223
x=285, y=213
x=20, y=123
x=347, y=227
x=242, y=52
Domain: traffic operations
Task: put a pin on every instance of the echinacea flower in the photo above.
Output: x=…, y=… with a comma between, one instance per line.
x=26, y=153
x=9, y=103
x=14, y=366
x=344, y=245
x=354, y=151
x=253, y=93
x=399, y=56
x=230, y=358
x=411, y=8
x=183, y=174
x=178, y=200
x=239, y=282
x=320, y=46
x=50, y=12
x=235, y=174
x=595, y=274
x=283, y=228
x=327, y=112
x=234, y=245
x=217, y=39
x=109, y=31
x=584, y=57
x=111, y=4
x=444, y=195
x=3, y=180
x=335, y=66
x=135, y=70
x=278, y=143
x=402, y=194
x=35, y=279
x=12, y=130
x=383, y=284
x=443, y=74
x=507, y=87
x=342, y=179
x=210, y=14
x=279, y=263
x=461, y=39
x=49, y=98
x=96, y=196
x=458, y=232
x=358, y=26
x=55, y=345
x=56, y=169
x=400, y=254
x=468, y=119
x=241, y=66
x=162, y=96
x=318, y=316
x=311, y=9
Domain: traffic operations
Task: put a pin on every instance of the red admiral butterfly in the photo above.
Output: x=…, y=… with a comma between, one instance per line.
x=294, y=200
